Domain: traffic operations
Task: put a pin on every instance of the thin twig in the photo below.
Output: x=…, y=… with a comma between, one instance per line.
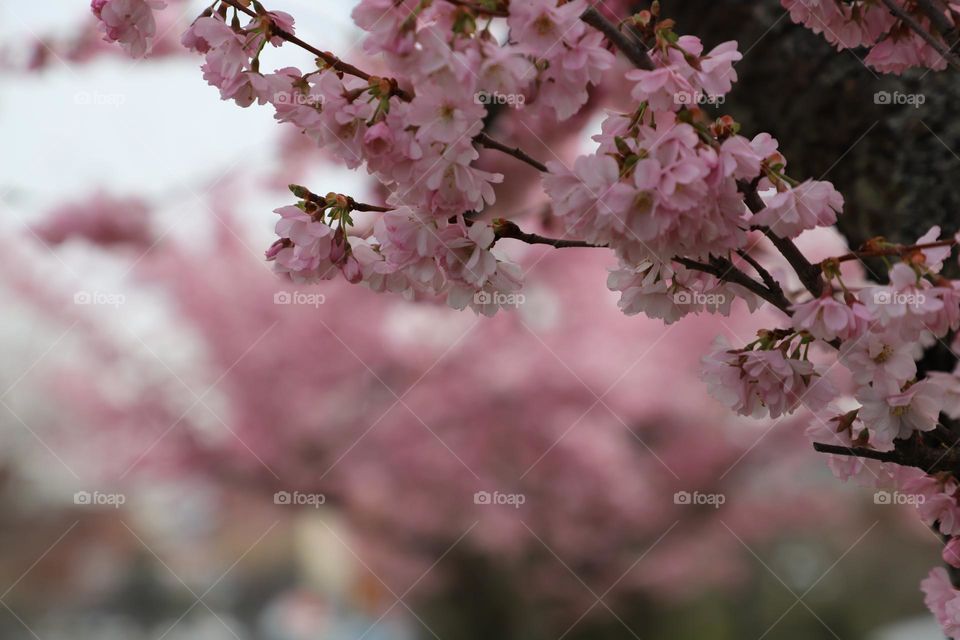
x=897, y=250
x=765, y=275
x=506, y=229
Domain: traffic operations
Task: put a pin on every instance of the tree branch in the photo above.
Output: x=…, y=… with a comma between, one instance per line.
x=634, y=51
x=507, y=229
x=908, y=453
x=480, y=10
x=343, y=67
x=725, y=270
x=808, y=272
x=940, y=22
x=897, y=250
x=765, y=275
x=917, y=28
x=331, y=60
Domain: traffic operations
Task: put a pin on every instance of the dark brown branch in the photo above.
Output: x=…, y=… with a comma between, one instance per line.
x=940, y=22
x=486, y=141
x=857, y=452
x=634, y=51
x=725, y=270
x=506, y=229
x=808, y=272
x=909, y=453
x=765, y=275
x=480, y=10
x=928, y=37
x=360, y=206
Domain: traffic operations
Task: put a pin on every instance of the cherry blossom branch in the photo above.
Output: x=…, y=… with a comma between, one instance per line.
x=628, y=46
x=331, y=60
x=917, y=28
x=343, y=67
x=808, y=273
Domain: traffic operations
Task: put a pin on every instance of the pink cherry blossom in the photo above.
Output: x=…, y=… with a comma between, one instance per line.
x=758, y=383
x=828, y=319
x=951, y=552
x=128, y=22
x=882, y=359
x=939, y=594
x=892, y=416
x=906, y=305
x=811, y=204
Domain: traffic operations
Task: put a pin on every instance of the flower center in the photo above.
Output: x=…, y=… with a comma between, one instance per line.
x=884, y=354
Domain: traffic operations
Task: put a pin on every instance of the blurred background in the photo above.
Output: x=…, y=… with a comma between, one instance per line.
x=193, y=448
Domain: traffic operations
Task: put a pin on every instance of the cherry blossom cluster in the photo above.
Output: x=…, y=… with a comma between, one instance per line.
x=667, y=181
x=896, y=42
x=678, y=195
x=130, y=23
x=408, y=253
x=876, y=332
